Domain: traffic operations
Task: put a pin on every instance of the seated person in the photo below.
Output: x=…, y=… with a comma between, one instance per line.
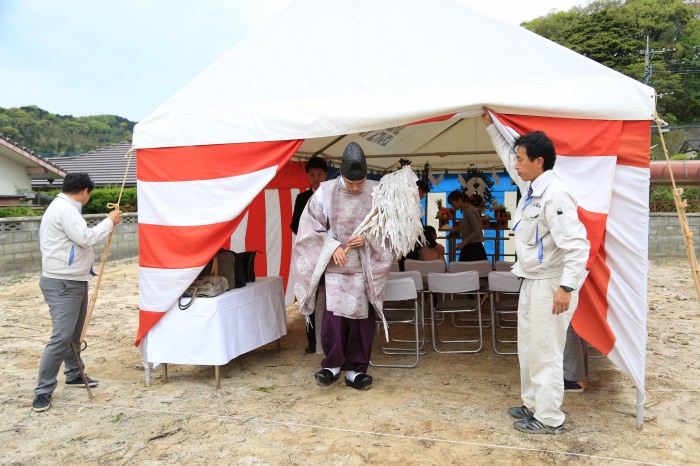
x=432, y=249
x=423, y=190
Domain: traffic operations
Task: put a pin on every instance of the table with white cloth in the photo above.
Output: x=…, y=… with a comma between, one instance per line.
x=213, y=331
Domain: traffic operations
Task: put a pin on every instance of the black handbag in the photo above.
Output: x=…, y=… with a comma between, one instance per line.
x=226, y=264
x=247, y=261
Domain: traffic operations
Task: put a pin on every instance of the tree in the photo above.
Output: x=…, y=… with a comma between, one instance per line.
x=49, y=134
x=613, y=33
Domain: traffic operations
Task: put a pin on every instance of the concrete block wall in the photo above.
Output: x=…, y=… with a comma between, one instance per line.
x=19, y=242
x=666, y=239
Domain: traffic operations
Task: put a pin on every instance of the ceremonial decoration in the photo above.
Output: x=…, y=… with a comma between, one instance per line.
x=477, y=187
x=443, y=215
x=395, y=213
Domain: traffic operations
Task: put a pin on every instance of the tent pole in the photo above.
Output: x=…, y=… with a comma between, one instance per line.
x=320, y=151
x=640, y=409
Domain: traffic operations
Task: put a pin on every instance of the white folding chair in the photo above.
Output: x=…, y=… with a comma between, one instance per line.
x=401, y=307
x=395, y=266
x=425, y=267
x=504, y=288
x=457, y=293
x=418, y=281
x=483, y=268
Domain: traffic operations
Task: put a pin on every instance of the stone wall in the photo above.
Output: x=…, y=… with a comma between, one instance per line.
x=19, y=242
x=666, y=238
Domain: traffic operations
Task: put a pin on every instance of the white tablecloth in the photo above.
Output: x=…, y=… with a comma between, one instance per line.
x=213, y=331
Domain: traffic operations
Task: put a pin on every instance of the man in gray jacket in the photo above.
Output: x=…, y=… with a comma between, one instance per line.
x=67, y=259
x=552, y=250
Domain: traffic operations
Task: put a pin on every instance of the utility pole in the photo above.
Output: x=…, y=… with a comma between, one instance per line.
x=648, y=67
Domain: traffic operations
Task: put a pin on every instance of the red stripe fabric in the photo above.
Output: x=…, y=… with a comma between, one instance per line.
x=635, y=142
x=182, y=247
x=290, y=176
x=429, y=120
x=211, y=162
x=256, y=235
x=595, y=230
x=591, y=317
x=147, y=320
x=570, y=136
x=285, y=220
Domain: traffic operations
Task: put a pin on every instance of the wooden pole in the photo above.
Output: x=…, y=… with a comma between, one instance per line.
x=680, y=208
x=93, y=297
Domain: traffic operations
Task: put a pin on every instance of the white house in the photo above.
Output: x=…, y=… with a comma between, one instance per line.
x=18, y=166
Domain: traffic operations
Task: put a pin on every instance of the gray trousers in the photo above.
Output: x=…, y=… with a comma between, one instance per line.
x=67, y=300
x=575, y=356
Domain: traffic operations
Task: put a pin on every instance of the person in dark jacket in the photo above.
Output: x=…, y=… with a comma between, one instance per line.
x=316, y=173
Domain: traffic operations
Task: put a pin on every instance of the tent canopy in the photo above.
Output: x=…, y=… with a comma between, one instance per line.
x=322, y=69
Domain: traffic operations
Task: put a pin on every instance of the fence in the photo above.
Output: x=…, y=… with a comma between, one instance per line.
x=19, y=240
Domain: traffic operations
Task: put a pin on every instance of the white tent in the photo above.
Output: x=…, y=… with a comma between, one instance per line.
x=404, y=78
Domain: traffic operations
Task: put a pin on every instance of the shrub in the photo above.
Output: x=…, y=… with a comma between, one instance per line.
x=665, y=193
x=20, y=211
x=100, y=197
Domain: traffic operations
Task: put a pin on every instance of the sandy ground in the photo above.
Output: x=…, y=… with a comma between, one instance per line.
x=448, y=410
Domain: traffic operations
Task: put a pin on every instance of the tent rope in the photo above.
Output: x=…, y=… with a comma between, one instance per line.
x=93, y=297
x=680, y=208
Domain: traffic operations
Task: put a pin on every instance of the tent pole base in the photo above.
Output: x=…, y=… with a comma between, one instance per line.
x=640, y=409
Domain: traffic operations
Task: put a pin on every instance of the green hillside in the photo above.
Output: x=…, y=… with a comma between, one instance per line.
x=51, y=135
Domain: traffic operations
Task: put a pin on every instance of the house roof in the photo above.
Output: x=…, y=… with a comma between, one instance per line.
x=106, y=166
x=36, y=166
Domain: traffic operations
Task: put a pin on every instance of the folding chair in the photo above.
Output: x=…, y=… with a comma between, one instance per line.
x=503, y=266
x=483, y=268
x=418, y=282
x=401, y=307
x=457, y=293
x=425, y=267
x=504, y=288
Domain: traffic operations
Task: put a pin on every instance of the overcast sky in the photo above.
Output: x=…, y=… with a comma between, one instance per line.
x=126, y=57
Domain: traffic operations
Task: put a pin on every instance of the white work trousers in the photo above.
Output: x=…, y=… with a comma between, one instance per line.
x=541, y=341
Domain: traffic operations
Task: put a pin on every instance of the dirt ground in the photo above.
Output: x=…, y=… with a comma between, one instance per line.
x=448, y=410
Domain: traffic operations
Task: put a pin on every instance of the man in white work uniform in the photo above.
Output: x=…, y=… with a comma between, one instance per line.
x=552, y=251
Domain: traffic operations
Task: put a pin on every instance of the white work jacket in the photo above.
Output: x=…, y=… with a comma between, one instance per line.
x=550, y=240
x=66, y=241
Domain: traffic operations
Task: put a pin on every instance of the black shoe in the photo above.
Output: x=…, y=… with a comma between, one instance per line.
x=326, y=377
x=574, y=387
x=310, y=349
x=361, y=382
x=520, y=412
x=41, y=402
x=80, y=384
x=533, y=426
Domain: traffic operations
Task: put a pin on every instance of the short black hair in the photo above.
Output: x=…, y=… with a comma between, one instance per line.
x=73, y=183
x=537, y=144
x=457, y=194
x=316, y=162
x=423, y=186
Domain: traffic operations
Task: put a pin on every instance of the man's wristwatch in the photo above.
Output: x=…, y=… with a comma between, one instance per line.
x=568, y=289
